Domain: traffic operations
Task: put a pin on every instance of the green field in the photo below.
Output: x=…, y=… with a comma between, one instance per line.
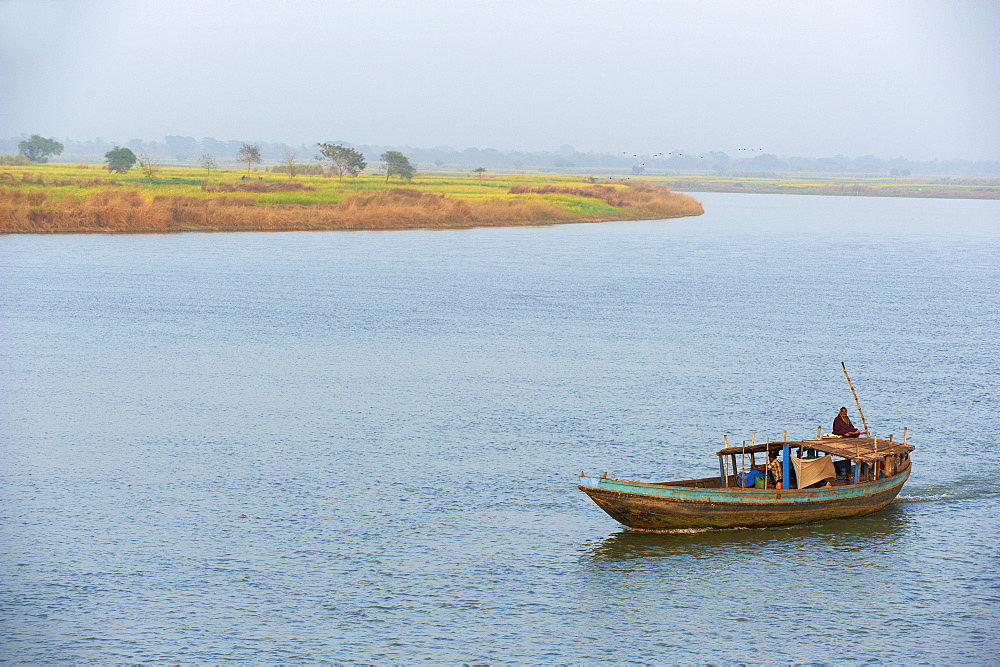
x=79, y=182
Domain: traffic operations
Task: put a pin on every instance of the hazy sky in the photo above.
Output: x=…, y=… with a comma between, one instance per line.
x=912, y=78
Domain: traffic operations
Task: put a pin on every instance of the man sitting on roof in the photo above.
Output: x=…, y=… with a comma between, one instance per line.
x=843, y=427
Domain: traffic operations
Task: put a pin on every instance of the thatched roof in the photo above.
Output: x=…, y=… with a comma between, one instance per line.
x=848, y=448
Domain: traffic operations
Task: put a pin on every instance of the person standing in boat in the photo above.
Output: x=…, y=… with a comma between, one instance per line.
x=843, y=427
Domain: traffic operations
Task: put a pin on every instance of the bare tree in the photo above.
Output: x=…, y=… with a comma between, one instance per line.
x=149, y=165
x=209, y=163
x=290, y=164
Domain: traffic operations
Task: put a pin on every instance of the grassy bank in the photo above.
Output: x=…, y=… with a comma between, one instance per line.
x=81, y=198
x=864, y=186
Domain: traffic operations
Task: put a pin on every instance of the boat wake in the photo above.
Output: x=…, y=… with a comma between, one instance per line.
x=959, y=492
x=924, y=498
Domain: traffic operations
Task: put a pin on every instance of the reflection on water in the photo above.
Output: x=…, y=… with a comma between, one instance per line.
x=876, y=532
x=879, y=588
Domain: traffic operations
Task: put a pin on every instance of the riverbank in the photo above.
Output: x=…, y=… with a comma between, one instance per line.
x=53, y=198
x=852, y=185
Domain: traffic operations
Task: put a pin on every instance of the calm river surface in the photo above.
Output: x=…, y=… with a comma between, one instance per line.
x=363, y=447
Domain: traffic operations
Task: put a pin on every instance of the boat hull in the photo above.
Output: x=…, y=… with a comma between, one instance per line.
x=665, y=507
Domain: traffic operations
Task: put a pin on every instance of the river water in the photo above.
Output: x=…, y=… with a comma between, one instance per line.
x=363, y=447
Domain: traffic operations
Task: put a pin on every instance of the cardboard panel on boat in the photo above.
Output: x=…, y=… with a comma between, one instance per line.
x=810, y=471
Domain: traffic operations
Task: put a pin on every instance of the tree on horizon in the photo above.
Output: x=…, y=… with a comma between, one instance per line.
x=397, y=164
x=38, y=148
x=250, y=154
x=120, y=159
x=343, y=159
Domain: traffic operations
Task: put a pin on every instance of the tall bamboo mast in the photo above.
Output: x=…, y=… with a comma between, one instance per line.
x=856, y=401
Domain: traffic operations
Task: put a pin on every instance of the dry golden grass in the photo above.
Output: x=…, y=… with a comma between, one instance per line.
x=118, y=209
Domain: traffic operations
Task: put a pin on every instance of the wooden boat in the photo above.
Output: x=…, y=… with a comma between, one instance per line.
x=868, y=476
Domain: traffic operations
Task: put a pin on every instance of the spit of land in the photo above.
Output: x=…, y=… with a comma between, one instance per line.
x=79, y=198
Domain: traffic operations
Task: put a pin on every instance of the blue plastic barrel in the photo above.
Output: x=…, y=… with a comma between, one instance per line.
x=748, y=479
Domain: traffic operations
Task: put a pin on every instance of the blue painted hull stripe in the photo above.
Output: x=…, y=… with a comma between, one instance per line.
x=746, y=496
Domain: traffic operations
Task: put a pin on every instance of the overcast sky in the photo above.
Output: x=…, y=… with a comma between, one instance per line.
x=913, y=78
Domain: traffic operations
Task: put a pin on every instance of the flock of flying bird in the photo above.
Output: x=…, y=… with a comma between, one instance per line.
x=664, y=155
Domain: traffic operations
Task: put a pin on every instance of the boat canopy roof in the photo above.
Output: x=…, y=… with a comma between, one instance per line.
x=848, y=448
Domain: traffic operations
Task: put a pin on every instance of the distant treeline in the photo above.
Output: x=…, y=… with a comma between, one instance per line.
x=188, y=150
